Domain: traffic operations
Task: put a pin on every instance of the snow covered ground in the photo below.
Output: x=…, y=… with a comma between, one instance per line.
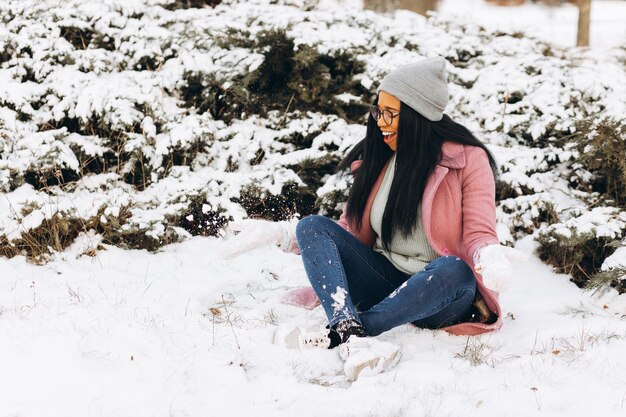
x=185, y=333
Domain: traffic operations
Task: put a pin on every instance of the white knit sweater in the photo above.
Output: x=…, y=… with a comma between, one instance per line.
x=410, y=254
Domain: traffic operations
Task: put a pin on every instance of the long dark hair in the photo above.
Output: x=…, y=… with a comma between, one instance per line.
x=419, y=143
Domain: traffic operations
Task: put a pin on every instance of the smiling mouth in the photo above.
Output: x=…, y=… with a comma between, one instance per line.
x=388, y=136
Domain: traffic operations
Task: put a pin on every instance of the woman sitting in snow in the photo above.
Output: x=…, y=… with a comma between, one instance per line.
x=417, y=240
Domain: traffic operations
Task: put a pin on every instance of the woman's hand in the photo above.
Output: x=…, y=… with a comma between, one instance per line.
x=249, y=234
x=495, y=265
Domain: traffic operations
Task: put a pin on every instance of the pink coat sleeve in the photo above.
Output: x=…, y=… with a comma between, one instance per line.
x=343, y=221
x=479, y=202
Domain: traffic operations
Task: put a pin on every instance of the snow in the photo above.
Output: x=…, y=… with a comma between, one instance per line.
x=557, y=25
x=404, y=284
x=186, y=330
x=339, y=298
x=617, y=260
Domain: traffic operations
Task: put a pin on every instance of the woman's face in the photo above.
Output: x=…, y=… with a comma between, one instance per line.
x=387, y=102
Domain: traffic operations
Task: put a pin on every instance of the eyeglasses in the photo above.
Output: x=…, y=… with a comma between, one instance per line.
x=387, y=115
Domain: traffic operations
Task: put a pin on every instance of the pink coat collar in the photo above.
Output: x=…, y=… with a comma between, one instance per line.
x=452, y=155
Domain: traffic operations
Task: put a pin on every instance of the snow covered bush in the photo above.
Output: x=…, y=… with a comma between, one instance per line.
x=186, y=4
x=580, y=245
x=147, y=121
x=612, y=272
x=602, y=146
x=282, y=76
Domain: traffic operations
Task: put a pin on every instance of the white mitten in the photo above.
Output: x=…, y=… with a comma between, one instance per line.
x=495, y=265
x=249, y=234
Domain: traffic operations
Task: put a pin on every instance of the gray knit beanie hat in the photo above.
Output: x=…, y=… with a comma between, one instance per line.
x=423, y=86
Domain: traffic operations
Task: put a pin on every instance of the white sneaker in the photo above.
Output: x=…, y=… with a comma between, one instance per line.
x=302, y=337
x=367, y=356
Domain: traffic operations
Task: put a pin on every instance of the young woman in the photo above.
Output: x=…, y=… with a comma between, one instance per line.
x=417, y=232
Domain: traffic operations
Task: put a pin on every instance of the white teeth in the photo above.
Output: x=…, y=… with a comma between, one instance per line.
x=387, y=133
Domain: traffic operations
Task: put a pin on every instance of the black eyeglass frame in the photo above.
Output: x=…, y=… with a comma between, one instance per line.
x=378, y=113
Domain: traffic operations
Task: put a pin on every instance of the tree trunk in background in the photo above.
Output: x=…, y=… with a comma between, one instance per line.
x=506, y=2
x=377, y=5
x=418, y=6
x=584, y=14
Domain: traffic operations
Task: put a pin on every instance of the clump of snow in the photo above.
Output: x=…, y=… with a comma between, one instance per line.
x=401, y=287
x=607, y=222
x=617, y=260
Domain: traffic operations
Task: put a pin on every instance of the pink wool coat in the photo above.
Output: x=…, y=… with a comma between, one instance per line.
x=458, y=217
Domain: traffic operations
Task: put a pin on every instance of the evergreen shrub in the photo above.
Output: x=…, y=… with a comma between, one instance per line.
x=200, y=219
x=290, y=78
x=292, y=200
x=602, y=147
x=581, y=245
x=163, y=110
x=615, y=278
x=601, y=144
x=580, y=255
x=189, y=4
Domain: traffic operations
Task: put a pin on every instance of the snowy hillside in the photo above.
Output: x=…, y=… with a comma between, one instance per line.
x=132, y=132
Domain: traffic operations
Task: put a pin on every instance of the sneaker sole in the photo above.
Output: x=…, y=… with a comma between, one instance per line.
x=374, y=366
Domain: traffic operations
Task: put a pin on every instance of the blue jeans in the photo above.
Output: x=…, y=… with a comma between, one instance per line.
x=353, y=281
